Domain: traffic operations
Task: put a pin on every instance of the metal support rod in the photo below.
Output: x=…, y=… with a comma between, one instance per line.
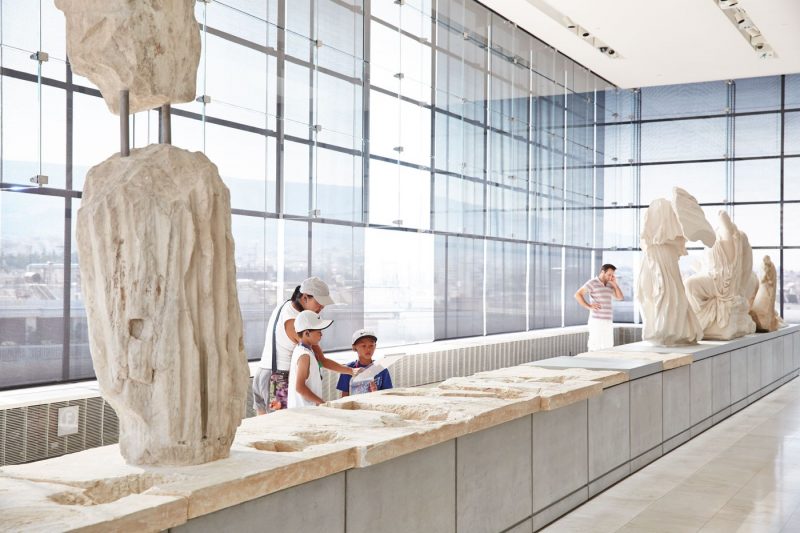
x=166, y=124
x=124, y=134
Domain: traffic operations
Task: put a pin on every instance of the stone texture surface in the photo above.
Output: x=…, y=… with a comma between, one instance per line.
x=668, y=318
x=150, y=47
x=762, y=311
x=314, y=507
x=609, y=417
x=410, y=493
x=493, y=477
x=159, y=284
x=668, y=360
x=720, y=295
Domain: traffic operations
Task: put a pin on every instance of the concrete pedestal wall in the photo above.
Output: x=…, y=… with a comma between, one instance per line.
x=523, y=474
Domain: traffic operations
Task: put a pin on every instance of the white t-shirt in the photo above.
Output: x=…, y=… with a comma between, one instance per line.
x=314, y=381
x=283, y=343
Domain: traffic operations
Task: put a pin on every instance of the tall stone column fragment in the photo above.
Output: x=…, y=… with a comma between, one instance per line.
x=149, y=47
x=159, y=284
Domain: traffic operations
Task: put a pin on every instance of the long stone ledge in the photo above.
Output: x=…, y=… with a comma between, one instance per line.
x=623, y=421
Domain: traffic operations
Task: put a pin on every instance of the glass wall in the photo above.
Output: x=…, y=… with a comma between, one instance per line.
x=731, y=144
x=431, y=161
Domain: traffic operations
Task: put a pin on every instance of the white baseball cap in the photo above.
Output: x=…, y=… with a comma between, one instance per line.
x=318, y=289
x=363, y=333
x=310, y=320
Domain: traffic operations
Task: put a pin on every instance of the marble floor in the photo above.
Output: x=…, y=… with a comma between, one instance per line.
x=741, y=475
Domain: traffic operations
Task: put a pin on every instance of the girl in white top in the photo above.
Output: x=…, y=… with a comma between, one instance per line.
x=312, y=295
x=305, y=373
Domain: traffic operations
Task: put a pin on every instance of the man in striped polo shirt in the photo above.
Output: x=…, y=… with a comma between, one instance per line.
x=601, y=315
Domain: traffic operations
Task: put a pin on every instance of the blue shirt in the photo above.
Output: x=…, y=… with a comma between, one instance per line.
x=382, y=380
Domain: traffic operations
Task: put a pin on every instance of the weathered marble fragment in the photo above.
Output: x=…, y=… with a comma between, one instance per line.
x=691, y=217
x=668, y=318
x=721, y=293
x=159, y=284
x=150, y=47
x=762, y=311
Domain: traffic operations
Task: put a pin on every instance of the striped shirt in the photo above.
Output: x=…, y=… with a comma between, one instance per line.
x=601, y=294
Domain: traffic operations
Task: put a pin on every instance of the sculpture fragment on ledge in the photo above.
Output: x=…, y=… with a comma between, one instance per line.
x=156, y=247
x=721, y=294
x=762, y=311
x=668, y=318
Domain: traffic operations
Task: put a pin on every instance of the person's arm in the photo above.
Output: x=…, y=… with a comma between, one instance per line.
x=288, y=326
x=617, y=291
x=580, y=298
x=303, y=363
x=330, y=364
x=344, y=385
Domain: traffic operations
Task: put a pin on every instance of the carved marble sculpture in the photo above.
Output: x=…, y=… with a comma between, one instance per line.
x=156, y=248
x=762, y=310
x=668, y=317
x=720, y=295
x=150, y=47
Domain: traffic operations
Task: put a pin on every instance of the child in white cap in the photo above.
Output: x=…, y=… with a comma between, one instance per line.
x=305, y=372
x=371, y=378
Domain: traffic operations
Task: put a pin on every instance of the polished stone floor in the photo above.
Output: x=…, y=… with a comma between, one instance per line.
x=741, y=475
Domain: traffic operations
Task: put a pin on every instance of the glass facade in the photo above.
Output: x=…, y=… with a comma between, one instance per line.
x=431, y=161
x=731, y=144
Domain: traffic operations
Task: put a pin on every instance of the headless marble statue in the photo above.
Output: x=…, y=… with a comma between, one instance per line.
x=721, y=294
x=668, y=318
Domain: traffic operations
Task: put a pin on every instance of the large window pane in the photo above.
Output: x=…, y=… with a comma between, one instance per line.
x=758, y=135
x=545, y=286
x=459, y=287
x=704, y=181
x=398, y=286
x=686, y=100
x=506, y=286
x=681, y=140
x=32, y=292
x=758, y=180
x=761, y=223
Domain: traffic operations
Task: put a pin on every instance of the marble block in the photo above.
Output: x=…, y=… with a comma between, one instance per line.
x=763, y=310
x=668, y=360
x=159, y=284
x=150, y=47
x=721, y=293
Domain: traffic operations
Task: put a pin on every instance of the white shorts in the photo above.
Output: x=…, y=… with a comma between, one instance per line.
x=601, y=334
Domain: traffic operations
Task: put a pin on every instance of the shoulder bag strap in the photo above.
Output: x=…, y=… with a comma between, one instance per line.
x=274, y=331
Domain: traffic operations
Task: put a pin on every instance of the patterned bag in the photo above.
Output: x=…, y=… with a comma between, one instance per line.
x=278, y=379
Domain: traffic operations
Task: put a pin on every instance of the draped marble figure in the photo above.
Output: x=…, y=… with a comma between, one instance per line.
x=721, y=293
x=668, y=318
x=762, y=311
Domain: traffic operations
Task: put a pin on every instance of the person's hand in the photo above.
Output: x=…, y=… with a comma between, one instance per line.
x=612, y=279
x=596, y=306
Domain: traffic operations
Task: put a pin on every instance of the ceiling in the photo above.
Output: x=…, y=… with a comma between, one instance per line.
x=664, y=42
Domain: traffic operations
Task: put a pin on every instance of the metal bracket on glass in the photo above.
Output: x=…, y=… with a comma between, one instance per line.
x=41, y=57
x=398, y=222
x=315, y=213
x=398, y=149
x=317, y=128
x=40, y=179
x=400, y=2
x=203, y=99
x=399, y=75
x=318, y=43
x=466, y=35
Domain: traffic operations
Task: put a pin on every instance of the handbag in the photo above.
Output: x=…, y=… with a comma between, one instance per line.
x=278, y=379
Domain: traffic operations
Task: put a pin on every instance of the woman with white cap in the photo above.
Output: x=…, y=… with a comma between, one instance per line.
x=281, y=338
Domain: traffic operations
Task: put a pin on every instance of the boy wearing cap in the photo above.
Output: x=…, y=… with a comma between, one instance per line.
x=364, y=343
x=305, y=372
